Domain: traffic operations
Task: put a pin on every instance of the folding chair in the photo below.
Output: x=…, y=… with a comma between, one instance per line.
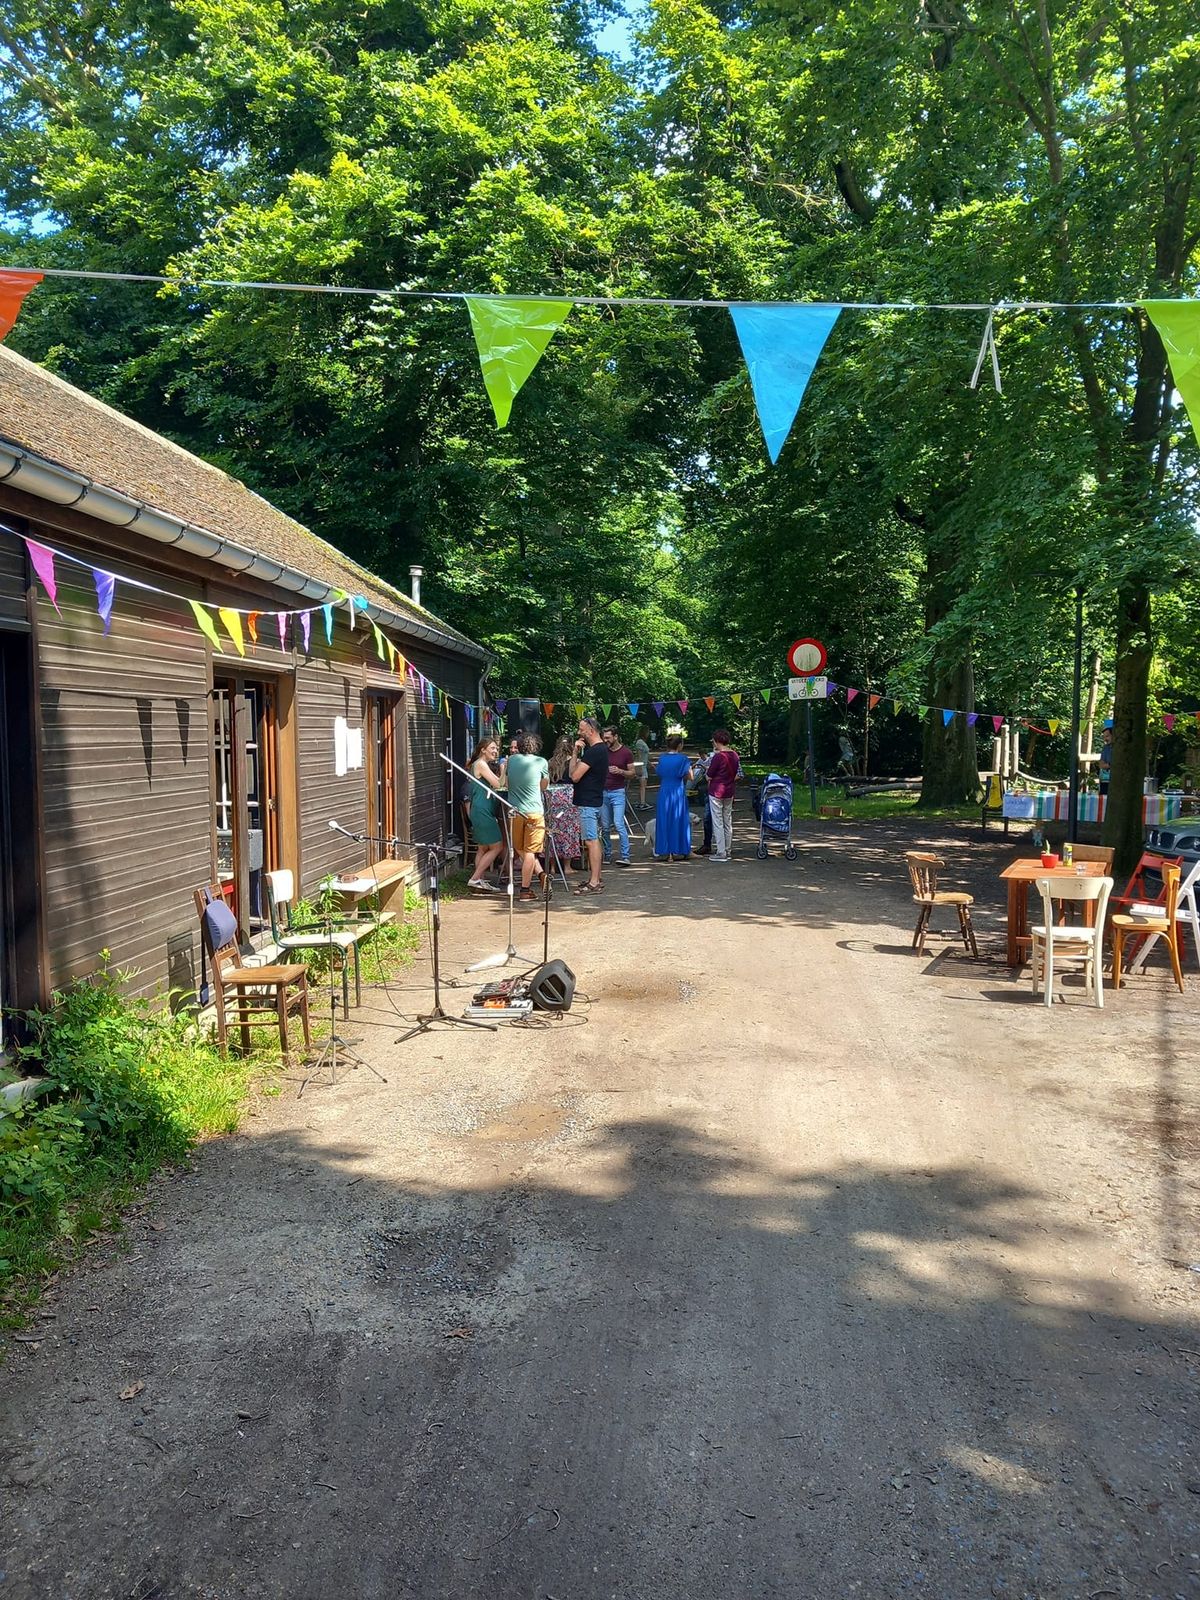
x=340, y=938
x=269, y=991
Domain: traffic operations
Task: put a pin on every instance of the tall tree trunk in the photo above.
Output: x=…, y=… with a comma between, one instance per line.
x=949, y=762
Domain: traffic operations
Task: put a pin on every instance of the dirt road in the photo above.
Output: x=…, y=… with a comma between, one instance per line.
x=790, y=1266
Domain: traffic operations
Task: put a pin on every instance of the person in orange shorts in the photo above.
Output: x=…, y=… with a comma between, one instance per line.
x=528, y=780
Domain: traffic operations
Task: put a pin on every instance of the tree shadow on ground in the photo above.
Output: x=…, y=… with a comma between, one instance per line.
x=684, y=1371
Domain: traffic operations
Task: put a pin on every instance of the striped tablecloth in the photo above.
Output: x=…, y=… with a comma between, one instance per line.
x=1051, y=805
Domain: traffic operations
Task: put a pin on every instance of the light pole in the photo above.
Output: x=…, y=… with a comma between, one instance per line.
x=1076, y=718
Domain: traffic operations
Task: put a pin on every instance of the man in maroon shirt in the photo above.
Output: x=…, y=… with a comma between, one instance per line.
x=612, y=813
x=724, y=770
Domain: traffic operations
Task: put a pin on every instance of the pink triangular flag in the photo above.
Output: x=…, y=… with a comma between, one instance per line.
x=1169, y=720
x=281, y=620
x=42, y=560
x=997, y=723
x=850, y=693
x=683, y=705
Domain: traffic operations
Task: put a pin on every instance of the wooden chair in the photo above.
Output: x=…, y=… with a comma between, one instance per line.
x=1101, y=855
x=1187, y=913
x=1055, y=942
x=341, y=938
x=270, y=991
x=1154, y=917
x=923, y=869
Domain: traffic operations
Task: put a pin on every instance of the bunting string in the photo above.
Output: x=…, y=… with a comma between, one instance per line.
x=239, y=622
x=781, y=340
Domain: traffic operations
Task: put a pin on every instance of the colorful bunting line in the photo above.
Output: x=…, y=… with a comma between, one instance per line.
x=781, y=341
x=239, y=622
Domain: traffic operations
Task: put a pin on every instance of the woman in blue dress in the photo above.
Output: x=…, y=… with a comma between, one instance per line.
x=672, y=824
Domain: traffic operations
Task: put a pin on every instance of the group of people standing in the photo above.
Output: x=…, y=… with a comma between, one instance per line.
x=580, y=794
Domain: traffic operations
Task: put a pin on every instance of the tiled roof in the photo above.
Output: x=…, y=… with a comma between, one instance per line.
x=51, y=418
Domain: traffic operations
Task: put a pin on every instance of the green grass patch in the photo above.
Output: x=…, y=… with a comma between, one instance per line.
x=131, y=1087
x=886, y=805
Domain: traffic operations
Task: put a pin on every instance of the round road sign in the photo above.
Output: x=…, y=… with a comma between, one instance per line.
x=807, y=658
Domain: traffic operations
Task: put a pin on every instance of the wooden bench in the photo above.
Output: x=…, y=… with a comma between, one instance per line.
x=390, y=878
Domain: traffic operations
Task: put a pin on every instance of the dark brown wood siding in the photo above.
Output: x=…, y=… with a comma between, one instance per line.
x=13, y=608
x=125, y=763
x=328, y=685
x=426, y=772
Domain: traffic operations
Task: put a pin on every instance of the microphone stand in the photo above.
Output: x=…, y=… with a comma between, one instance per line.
x=429, y=1019
x=510, y=953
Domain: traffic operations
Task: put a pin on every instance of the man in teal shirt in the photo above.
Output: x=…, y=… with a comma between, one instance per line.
x=528, y=778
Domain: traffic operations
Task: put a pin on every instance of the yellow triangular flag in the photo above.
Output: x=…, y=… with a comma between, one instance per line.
x=233, y=627
x=1055, y=724
x=206, y=625
x=737, y=700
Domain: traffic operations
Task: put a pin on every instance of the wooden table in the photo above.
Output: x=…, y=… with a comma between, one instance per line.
x=1019, y=875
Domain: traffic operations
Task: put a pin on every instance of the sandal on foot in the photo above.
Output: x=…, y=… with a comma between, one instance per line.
x=589, y=888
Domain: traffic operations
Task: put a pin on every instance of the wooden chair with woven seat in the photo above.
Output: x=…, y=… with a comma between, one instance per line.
x=1162, y=919
x=923, y=869
x=254, y=992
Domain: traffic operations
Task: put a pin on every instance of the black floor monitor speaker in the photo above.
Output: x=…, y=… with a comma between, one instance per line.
x=552, y=987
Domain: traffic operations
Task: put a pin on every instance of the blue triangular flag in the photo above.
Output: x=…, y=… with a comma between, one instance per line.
x=105, y=585
x=327, y=611
x=500, y=705
x=947, y=717
x=781, y=346
x=633, y=707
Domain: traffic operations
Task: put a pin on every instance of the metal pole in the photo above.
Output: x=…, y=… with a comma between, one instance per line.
x=812, y=762
x=1076, y=718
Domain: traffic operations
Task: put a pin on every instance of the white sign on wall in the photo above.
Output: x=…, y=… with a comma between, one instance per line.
x=808, y=688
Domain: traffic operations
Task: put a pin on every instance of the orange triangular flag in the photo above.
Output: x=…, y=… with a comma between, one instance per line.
x=872, y=702
x=252, y=626
x=548, y=707
x=14, y=286
x=709, y=701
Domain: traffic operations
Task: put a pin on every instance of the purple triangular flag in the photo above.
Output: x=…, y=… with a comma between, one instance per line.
x=658, y=707
x=105, y=585
x=830, y=688
x=972, y=718
x=947, y=717
x=306, y=629
x=42, y=560
x=500, y=705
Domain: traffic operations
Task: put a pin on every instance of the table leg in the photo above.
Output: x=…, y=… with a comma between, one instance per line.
x=1016, y=919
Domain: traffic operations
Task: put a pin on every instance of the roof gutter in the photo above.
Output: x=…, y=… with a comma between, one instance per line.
x=48, y=481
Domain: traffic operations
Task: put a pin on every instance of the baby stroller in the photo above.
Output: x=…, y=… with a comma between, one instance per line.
x=775, y=815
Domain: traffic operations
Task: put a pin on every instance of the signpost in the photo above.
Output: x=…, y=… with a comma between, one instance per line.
x=807, y=659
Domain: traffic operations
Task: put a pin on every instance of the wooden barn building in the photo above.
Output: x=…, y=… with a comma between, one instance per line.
x=142, y=760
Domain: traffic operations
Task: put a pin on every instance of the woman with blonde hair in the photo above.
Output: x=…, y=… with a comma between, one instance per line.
x=564, y=819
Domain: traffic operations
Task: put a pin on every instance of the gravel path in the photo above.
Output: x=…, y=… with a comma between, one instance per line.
x=790, y=1265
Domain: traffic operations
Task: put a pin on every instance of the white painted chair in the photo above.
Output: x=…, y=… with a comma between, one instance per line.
x=1057, y=942
x=340, y=939
x=1186, y=910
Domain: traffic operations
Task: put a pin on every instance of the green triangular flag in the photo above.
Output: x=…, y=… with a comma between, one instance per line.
x=766, y=694
x=1178, y=324
x=895, y=708
x=607, y=710
x=511, y=336
x=206, y=624
x=922, y=711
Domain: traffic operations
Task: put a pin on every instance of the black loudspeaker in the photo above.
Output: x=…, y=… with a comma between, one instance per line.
x=552, y=987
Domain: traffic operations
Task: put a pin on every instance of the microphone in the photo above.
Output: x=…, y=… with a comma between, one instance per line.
x=336, y=827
